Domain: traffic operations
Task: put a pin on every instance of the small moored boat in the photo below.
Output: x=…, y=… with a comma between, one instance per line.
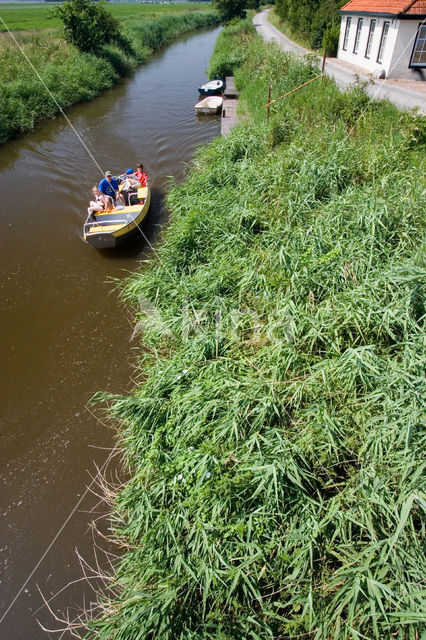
x=210, y=105
x=111, y=228
x=211, y=88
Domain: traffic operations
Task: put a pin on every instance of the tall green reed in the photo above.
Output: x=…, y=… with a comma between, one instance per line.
x=275, y=439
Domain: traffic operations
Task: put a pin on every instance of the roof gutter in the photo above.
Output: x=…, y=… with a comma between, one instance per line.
x=395, y=16
x=371, y=13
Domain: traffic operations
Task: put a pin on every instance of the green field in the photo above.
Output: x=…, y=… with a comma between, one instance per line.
x=37, y=15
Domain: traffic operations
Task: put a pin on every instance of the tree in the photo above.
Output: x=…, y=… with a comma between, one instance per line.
x=312, y=19
x=229, y=9
x=88, y=25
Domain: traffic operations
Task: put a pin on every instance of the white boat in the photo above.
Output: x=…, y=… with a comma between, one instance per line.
x=212, y=104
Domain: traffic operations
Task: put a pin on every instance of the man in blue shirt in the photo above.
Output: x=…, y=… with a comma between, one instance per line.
x=109, y=186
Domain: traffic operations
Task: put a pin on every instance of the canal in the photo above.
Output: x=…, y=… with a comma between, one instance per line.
x=64, y=333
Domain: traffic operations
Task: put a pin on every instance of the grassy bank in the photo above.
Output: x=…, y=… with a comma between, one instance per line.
x=275, y=438
x=72, y=76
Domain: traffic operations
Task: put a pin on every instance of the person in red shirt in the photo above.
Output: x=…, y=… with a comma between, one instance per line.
x=141, y=176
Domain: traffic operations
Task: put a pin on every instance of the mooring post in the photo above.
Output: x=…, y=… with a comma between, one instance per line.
x=269, y=100
x=323, y=60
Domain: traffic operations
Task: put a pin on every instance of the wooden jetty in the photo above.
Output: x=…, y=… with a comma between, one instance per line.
x=229, y=108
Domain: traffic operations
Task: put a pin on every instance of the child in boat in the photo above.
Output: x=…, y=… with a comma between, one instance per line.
x=141, y=176
x=128, y=183
x=101, y=202
x=129, y=180
x=132, y=181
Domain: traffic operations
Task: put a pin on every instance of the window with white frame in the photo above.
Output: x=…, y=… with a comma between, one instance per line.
x=383, y=40
x=418, y=57
x=370, y=38
x=347, y=30
x=358, y=34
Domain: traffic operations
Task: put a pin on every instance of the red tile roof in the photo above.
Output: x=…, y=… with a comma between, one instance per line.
x=394, y=7
x=417, y=8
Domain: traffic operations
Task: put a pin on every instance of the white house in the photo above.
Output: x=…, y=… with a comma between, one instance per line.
x=386, y=38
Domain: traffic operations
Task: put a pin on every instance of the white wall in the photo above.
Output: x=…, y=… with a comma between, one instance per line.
x=403, y=49
x=399, y=46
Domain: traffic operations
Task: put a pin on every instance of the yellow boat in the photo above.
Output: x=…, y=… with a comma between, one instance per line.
x=111, y=228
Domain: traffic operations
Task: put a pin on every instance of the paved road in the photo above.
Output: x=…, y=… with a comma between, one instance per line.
x=379, y=89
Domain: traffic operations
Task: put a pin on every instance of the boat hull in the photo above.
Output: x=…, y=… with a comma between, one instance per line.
x=99, y=236
x=210, y=93
x=212, y=88
x=209, y=106
x=109, y=241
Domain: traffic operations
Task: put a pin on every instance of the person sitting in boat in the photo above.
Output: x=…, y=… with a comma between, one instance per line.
x=141, y=176
x=128, y=179
x=128, y=183
x=100, y=202
x=109, y=187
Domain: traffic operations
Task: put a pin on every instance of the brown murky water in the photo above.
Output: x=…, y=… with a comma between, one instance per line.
x=63, y=334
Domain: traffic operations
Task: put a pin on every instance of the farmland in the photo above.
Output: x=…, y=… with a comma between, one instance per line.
x=37, y=15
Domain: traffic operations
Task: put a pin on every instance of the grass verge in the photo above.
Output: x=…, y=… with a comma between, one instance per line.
x=72, y=76
x=275, y=439
x=285, y=28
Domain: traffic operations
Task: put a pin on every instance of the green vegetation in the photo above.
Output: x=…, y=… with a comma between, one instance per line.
x=275, y=440
x=36, y=15
x=284, y=27
x=27, y=16
x=226, y=56
x=230, y=9
x=74, y=76
x=315, y=24
x=89, y=26
x=233, y=9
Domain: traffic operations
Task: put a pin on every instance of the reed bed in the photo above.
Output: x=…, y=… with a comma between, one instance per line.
x=275, y=438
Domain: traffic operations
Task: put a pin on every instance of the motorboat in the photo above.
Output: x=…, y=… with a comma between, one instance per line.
x=107, y=229
x=210, y=105
x=212, y=88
